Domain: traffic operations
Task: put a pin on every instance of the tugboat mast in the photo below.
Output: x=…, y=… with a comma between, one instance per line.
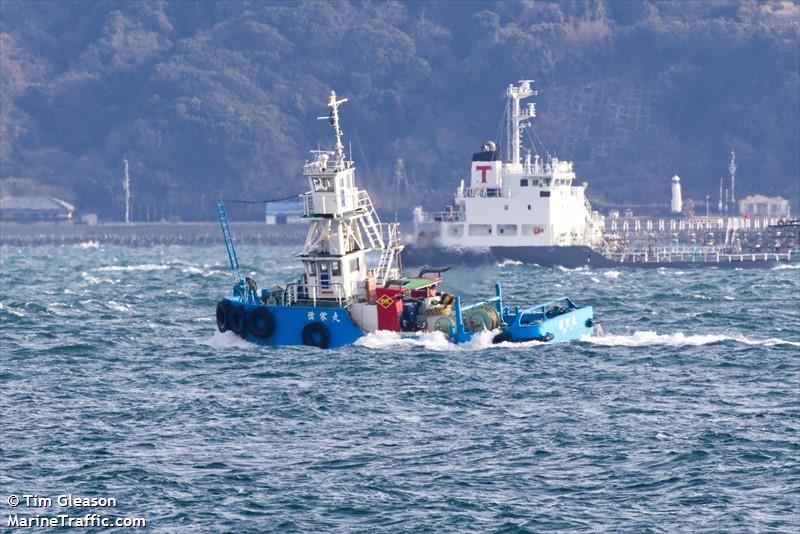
x=334, y=120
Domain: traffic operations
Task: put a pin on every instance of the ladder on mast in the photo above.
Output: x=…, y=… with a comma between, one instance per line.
x=226, y=234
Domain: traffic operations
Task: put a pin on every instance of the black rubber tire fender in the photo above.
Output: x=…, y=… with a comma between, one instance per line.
x=237, y=320
x=501, y=338
x=316, y=335
x=223, y=311
x=260, y=322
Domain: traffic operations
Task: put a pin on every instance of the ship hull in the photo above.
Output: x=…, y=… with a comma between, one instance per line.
x=570, y=257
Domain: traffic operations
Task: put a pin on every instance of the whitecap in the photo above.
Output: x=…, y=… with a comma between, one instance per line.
x=785, y=266
x=127, y=268
x=94, y=280
x=116, y=306
x=611, y=274
x=89, y=244
x=575, y=270
x=507, y=263
x=12, y=311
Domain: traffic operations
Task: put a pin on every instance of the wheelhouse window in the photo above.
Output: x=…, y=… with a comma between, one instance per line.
x=523, y=182
x=322, y=184
x=335, y=268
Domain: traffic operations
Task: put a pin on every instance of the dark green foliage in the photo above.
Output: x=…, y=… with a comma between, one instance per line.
x=210, y=99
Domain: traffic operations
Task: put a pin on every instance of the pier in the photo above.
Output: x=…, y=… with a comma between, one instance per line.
x=149, y=234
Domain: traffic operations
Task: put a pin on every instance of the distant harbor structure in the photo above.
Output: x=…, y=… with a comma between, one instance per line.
x=763, y=206
x=677, y=201
x=283, y=212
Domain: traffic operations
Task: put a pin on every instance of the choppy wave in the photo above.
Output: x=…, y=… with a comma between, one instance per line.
x=620, y=429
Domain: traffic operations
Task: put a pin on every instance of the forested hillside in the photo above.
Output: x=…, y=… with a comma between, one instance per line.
x=220, y=98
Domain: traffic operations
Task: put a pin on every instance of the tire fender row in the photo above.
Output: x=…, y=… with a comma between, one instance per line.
x=260, y=322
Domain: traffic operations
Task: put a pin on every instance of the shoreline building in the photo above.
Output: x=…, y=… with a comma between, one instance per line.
x=35, y=209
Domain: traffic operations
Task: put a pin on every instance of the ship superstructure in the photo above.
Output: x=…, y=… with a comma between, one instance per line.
x=529, y=201
x=343, y=227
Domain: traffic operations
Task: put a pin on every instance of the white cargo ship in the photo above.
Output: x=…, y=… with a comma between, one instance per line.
x=518, y=207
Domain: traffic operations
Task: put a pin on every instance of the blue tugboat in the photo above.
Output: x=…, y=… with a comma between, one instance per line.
x=338, y=297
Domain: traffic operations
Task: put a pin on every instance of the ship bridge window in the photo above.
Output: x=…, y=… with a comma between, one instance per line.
x=335, y=268
x=310, y=268
x=322, y=184
x=523, y=182
x=544, y=193
x=529, y=207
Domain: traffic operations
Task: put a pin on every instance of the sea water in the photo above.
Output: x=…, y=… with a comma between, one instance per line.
x=683, y=415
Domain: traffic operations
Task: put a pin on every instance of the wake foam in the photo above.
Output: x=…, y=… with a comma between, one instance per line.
x=649, y=337
x=437, y=341
x=226, y=340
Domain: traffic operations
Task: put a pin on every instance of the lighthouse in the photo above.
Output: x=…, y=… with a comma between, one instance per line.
x=677, y=202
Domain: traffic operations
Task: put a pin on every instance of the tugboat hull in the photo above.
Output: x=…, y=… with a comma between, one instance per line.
x=323, y=327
